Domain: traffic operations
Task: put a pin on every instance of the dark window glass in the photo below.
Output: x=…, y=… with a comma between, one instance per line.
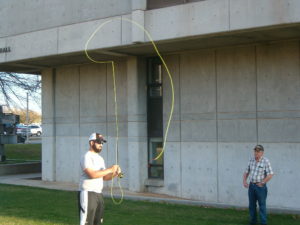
x=155, y=4
x=155, y=117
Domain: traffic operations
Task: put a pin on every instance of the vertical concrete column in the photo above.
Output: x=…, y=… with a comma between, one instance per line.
x=2, y=152
x=137, y=124
x=138, y=15
x=48, y=119
x=138, y=4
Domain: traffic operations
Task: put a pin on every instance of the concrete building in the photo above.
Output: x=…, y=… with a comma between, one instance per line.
x=235, y=65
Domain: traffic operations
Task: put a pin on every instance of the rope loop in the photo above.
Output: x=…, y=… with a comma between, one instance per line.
x=115, y=95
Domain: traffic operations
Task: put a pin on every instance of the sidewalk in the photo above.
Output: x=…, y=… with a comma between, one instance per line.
x=34, y=180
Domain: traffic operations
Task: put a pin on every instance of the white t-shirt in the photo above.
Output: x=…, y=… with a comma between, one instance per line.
x=93, y=161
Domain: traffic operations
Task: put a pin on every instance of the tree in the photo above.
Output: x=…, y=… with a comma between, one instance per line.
x=34, y=117
x=14, y=85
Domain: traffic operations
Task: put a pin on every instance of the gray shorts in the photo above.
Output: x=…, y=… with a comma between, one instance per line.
x=91, y=208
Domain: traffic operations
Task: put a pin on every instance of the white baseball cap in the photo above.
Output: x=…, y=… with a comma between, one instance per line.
x=97, y=137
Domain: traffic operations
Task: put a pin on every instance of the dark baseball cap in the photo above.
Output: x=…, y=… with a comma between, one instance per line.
x=258, y=148
x=97, y=137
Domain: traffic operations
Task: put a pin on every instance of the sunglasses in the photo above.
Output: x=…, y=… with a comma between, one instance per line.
x=99, y=142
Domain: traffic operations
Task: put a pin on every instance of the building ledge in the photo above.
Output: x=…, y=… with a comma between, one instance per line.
x=154, y=183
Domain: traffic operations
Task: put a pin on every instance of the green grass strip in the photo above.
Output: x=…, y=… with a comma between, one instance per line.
x=34, y=206
x=23, y=151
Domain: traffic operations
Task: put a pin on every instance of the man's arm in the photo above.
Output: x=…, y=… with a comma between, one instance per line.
x=269, y=173
x=109, y=176
x=110, y=172
x=112, y=175
x=265, y=180
x=246, y=185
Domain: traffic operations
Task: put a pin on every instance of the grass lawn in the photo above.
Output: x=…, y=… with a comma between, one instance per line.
x=33, y=206
x=23, y=151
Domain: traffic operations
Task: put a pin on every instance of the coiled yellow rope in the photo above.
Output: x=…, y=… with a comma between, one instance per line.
x=115, y=94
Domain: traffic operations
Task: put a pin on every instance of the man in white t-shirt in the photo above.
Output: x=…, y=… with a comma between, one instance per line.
x=91, y=203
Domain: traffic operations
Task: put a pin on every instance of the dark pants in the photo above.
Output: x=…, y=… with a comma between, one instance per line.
x=91, y=208
x=257, y=194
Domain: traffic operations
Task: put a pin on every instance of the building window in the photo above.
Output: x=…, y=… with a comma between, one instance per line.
x=155, y=118
x=156, y=4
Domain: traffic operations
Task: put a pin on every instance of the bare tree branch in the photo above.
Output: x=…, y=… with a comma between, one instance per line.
x=13, y=86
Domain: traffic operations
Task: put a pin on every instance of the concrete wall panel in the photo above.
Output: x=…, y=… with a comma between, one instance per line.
x=278, y=92
x=279, y=130
x=278, y=77
x=87, y=128
x=72, y=39
x=198, y=82
x=124, y=161
x=253, y=13
x=137, y=33
x=2, y=44
x=93, y=92
x=84, y=146
x=172, y=169
x=67, y=127
x=199, y=171
x=137, y=93
x=137, y=165
x=67, y=94
x=283, y=188
x=48, y=129
x=126, y=30
x=236, y=79
x=237, y=130
x=232, y=163
x=198, y=96
x=198, y=131
x=48, y=83
x=48, y=157
x=48, y=119
x=121, y=98
x=189, y=19
x=137, y=129
x=67, y=158
x=112, y=129
x=55, y=13
x=22, y=46
x=137, y=124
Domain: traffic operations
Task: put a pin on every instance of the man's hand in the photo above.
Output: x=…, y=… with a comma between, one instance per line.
x=119, y=170
x=260, y=184
x=114, y=169
x=245, y=176
x=246, y=185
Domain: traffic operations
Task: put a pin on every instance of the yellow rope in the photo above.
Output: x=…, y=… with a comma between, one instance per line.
x=115, y=94
x=117, y=141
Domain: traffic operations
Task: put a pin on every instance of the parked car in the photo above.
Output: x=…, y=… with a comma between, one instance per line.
x=21, y=129
x=35, y=130
x=31, y=129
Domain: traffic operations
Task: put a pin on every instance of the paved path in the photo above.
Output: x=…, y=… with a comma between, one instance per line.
x=34, y=140
x=34, y=180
